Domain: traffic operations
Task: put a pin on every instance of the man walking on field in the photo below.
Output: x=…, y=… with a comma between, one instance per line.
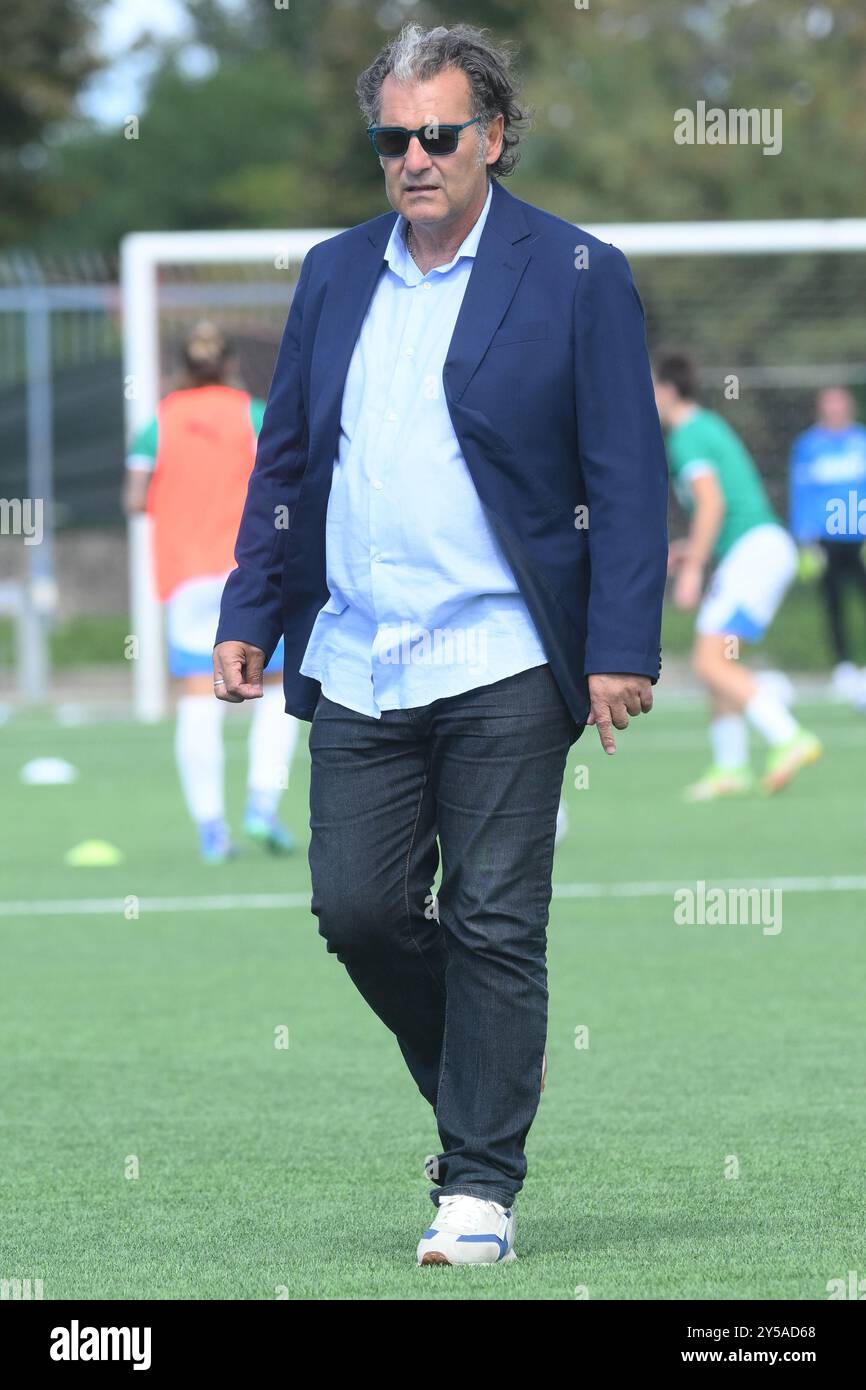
x=462, y=423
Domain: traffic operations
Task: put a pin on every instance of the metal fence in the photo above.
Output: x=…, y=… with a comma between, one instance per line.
x=61, y=421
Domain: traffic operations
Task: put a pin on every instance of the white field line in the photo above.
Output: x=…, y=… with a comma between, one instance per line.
x=646, y=738
x=269, y=902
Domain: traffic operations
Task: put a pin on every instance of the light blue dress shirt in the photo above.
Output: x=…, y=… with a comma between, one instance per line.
x=423, y=603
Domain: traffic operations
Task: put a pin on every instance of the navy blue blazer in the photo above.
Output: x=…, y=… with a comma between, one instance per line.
x=548, y=386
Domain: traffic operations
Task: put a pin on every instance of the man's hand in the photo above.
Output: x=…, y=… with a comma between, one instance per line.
x=613, y=698
x=237, y=672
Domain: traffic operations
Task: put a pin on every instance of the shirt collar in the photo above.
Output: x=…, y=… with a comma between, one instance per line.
x=401, y=262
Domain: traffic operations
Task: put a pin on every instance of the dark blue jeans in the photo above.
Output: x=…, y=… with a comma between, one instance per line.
x=464, y=990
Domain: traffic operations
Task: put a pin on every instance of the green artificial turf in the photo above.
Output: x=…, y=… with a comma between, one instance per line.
x=301, y=1169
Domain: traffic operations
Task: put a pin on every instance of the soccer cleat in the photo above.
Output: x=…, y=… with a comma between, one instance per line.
x=270, y=833
x=215, y=842
x=720, y=781
x=784, y=762
x=468, y=1231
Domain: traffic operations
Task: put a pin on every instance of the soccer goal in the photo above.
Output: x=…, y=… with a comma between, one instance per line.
x=771, y=311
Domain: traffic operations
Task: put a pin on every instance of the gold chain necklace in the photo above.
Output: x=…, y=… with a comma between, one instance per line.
x=409, y=240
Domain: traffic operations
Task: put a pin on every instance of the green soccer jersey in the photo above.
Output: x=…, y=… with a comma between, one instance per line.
x=706, y=443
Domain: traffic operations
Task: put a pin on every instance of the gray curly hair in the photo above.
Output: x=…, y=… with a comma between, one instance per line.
x=418, y=54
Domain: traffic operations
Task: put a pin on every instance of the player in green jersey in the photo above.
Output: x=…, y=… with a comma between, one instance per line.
x=733, y=524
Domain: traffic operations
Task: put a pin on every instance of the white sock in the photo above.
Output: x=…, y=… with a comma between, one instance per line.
x=198, y=750
x=729, y=737
x=273, y=735
x=771, y=718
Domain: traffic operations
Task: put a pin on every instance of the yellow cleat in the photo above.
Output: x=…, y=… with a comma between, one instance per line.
x=720, y=781
x=785, y=762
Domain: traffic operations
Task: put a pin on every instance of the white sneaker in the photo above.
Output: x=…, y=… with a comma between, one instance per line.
x=468, y=1231
x=561, y=823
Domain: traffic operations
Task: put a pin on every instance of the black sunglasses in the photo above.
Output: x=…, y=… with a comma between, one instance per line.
x=392, y=141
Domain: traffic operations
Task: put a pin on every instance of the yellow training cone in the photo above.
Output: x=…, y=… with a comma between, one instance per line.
x=93, y=854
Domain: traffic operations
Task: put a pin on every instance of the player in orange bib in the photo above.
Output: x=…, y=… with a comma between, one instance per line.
x=188, y=468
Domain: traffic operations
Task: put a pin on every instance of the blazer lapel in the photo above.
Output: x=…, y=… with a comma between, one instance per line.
x=500, y=263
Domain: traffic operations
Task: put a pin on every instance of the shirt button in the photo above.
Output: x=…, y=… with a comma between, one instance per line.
x=426, y=285
x=376, y=559
x=377, y=484
x=391, y=417
x=410, y=352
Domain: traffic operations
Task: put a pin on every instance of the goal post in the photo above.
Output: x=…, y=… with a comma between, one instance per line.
x=143, y=256
x=705, y=285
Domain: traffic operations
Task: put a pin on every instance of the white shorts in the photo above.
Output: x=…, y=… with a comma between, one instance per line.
x=192, y=615
x=749, y=584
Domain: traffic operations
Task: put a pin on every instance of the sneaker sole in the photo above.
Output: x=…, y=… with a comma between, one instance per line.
x=433, y=1257
x=270, y=845
x=696, y=800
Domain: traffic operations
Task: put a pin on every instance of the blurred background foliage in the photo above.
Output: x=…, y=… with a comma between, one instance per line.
x=267, y=132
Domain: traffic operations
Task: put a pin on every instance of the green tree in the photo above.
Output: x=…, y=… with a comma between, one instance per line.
x=48, y=55
x=273, y=135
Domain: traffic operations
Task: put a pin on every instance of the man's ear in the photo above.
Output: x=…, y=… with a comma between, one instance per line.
x=497, y=127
